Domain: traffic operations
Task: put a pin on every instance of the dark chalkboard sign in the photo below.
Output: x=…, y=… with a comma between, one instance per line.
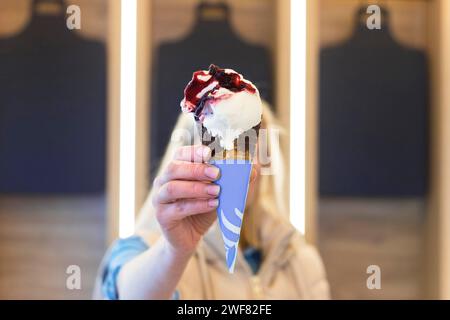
x=373, y=116
x=52, y=110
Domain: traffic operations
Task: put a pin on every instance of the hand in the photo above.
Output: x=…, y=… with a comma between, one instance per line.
x=186, y=199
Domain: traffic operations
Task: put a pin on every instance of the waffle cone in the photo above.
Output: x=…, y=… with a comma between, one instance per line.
x=244, y=145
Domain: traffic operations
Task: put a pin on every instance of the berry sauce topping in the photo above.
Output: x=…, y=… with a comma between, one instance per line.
x=205, y=83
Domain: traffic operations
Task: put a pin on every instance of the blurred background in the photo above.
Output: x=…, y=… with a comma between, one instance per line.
x=53, y=117
x=374, y=146
x=377, y=142
x=379, y=169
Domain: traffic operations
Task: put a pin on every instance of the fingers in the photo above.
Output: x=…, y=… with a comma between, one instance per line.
x=184, y=208
x=196, y=154
x=181, y=170
x=177, y=189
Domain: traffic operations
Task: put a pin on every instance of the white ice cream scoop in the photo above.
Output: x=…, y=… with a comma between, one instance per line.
x=224, y=102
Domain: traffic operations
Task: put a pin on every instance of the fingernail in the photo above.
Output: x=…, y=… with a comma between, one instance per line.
x=213, y=190
x=213, y=203
x=212, y=172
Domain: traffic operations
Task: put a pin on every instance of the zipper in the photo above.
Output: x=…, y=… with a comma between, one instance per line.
x=257, y=288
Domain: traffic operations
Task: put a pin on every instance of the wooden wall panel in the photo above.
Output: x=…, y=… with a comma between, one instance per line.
x=444, y=147
x=437, y=275
x=410, y=26
x=44, y=235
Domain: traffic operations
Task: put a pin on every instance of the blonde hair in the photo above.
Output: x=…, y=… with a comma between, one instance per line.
x=268, y=199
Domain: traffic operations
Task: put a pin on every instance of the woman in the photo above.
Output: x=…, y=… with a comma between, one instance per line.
x=178, y=251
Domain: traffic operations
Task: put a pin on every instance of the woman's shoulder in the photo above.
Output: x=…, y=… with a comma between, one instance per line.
x=307, y=260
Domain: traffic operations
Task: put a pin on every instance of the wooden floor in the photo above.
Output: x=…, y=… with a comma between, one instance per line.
x=41, y=236
x=356, y=233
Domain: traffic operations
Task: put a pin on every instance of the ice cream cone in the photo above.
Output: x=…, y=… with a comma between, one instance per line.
x=227, y=109
x=235, y=167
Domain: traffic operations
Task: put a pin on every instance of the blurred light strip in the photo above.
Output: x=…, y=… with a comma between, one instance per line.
x=127, y=117
x=298, y=114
